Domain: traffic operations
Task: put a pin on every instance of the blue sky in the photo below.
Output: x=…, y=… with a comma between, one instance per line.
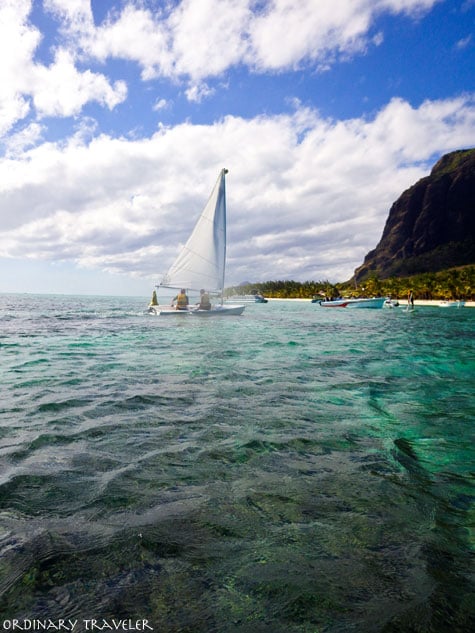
x=117, y=115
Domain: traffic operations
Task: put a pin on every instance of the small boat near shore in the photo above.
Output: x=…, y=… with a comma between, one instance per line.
x=391, y=303
x=451, y=304
x=252, y=298
x=373, y=302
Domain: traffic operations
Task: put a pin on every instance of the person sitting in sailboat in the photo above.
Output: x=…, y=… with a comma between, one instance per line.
x=205, y=302
x=181, y=300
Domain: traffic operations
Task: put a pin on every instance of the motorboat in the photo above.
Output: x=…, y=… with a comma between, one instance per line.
x=374, y=302
x=390, y=303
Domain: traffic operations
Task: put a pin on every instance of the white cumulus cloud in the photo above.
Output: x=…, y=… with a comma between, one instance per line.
x=307, y=196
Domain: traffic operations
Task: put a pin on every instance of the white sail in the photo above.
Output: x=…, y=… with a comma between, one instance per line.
x=201, y=262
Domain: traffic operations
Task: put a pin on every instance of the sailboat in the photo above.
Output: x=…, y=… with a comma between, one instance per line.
x=200, y=264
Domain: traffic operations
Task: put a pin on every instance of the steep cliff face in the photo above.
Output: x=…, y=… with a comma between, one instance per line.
x=432, y=225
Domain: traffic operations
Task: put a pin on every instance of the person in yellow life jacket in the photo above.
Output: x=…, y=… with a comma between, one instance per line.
x=181, y=300
x=154, y=301
x=205, y=302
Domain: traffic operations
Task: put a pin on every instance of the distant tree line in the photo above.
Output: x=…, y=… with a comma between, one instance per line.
x=455, y=283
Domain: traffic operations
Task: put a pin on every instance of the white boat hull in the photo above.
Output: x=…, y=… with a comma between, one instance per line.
x=223, y=310
x=166, y=311
x=374, y=303
x=195, y=312
x=451, y=304
x=246, y=299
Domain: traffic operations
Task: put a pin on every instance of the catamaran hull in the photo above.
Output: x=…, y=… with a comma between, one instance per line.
x=376, y=302
x=166, y=311
x=215, y=311
x=219, y=311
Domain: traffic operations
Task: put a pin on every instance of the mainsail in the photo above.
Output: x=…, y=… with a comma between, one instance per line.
x=201, y=262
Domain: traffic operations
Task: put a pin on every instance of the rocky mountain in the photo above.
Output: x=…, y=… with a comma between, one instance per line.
x=431, y=226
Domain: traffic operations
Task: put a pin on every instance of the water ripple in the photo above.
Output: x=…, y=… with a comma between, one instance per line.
x=290, y=470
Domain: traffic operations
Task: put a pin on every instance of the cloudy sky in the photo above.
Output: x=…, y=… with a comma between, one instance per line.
x=117, y=115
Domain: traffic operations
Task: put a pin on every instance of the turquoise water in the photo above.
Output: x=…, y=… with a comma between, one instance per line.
x=294, y=469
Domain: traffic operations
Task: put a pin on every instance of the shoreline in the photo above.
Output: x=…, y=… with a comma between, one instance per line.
x=402, y=302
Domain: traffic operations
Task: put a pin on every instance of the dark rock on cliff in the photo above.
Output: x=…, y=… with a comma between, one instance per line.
x=431, y=227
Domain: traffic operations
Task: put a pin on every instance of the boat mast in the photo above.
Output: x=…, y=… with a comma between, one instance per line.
x=224, y=172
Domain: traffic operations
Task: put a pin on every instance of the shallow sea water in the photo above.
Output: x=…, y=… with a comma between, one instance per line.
x=291, y=470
